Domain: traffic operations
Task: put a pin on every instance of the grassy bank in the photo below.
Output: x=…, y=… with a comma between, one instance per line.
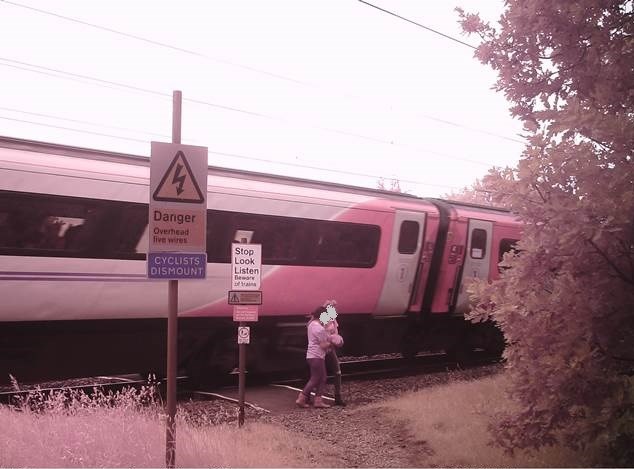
x=125, y=438
x=449, y=424
x=127, y=430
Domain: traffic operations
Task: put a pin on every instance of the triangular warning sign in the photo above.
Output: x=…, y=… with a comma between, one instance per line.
x=234, y=298
x=178, y=183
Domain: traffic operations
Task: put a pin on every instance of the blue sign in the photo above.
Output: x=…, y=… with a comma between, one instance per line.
x=177, y=265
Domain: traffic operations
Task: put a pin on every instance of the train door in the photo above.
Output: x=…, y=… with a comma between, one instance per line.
x=403, y=263
x=477, y=259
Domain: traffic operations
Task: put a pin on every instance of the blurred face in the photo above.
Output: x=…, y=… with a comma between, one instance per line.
x=329, y=315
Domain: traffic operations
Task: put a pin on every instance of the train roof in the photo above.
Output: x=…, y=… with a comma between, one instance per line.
x=144, y=161
x=456, y=208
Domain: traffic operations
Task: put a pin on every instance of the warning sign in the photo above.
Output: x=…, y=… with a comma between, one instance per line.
x=246, y=266
x=245, y=313
x=179, y=183
x=173, y=229
x=245, y=297
x=178, y=198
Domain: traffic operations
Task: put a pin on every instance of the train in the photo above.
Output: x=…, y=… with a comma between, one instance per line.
x=76, y=299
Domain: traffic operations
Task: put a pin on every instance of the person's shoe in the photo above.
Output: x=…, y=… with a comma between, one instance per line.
x=320, y=404
x=301, y=400
x=339, y=401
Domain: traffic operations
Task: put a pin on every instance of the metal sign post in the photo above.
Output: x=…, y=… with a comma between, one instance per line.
x=242, y=360
x=246, y=268
x=177, y=227
x=172, y=320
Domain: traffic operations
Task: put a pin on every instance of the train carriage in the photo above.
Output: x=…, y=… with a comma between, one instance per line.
x=76, y=298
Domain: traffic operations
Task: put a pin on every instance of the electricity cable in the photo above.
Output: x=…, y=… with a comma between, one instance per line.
x=236, y=155
x=101, y=134
x=338, y=171
x=418, y=24
x=257, y=70
x=374, y=139
x=79, y=121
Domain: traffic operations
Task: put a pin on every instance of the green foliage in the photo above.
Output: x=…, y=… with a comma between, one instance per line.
x=566, y=306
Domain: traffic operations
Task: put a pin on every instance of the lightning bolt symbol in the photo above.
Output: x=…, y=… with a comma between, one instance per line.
x=179, y=179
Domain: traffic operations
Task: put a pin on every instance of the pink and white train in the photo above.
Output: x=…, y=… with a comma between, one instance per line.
x=75, y=299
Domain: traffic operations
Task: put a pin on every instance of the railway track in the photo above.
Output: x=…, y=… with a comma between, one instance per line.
x=35, y=393
x=395, y=366
x=353, y=368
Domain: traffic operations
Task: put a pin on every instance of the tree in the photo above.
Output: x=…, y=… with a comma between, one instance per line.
x=480, y=192
x=566, y=305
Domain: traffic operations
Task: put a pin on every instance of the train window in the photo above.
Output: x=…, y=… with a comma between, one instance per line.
x=47, y=225
x=37, y=224
x=345, y=244
x=408, y=237
x=128, y=239
x=293, y=241
x=277, y=235
x=60, y=226
x=478, y=243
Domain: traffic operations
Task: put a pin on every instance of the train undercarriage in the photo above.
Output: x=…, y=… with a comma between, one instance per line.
x=36, y=351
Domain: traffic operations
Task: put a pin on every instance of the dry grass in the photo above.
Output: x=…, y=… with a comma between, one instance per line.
x=130, y=439
x=450, y=422
x=99, y=432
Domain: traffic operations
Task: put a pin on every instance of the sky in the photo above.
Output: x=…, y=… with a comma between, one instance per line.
x=332, y=90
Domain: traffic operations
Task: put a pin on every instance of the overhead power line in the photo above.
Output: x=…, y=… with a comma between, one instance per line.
x=100, y=81
x=79, y=121
x=108, y=83
x=101, y=134
x=418, y=24
x=236, y=155
x=338, y=171
x=157, y=43
x=254, y=69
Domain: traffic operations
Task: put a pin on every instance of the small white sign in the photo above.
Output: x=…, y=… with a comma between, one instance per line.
x=243, y=335
x=246, y=266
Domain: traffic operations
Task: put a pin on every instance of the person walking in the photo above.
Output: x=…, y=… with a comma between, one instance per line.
x=318, y=344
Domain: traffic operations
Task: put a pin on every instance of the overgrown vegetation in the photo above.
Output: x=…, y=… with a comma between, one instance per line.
x=127, y=429
x=450, y=424
x=566, y=305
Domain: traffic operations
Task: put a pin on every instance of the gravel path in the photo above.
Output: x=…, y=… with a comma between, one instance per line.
x=353, y=436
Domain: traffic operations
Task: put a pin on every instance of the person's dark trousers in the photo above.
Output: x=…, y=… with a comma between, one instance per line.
x=333, y=363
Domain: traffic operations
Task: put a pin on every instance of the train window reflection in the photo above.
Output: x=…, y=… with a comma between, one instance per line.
x=48, y=225
x=60, y=226
x=34, y=223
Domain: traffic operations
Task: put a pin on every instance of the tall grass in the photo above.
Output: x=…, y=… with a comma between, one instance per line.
x=448, y=425
x=451, y=422
x=126, y=429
